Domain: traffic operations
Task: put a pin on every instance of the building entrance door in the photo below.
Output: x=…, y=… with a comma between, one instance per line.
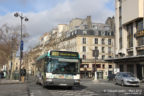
x=139, y=71
x=121, y=68
x=100, y=75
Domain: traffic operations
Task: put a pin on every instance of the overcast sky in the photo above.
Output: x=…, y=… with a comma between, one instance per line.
x=45, y=14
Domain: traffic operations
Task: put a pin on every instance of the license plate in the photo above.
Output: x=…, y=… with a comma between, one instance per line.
x=63, y=84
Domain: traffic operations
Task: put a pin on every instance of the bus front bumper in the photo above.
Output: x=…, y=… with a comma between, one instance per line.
x=62, y=82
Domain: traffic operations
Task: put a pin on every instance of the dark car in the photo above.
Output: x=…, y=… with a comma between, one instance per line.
x=111, y=77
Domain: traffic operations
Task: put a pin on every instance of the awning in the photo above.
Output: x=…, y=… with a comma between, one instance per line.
x=127, y=59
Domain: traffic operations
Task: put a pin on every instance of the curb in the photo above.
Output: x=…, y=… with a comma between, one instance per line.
x=4, y=82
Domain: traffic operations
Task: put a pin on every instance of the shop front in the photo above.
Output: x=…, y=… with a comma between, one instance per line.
x=133, y=64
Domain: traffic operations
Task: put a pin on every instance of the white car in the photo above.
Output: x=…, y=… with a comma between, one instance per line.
x=126, y=78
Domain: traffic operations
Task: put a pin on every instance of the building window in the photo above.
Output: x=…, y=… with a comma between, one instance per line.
x=103, y=66
x=94, y=54
x=102, y=49
x=103, y=41
x=76, y=27
x=84, y=65
x=130, y=35
x=110, y=66
x=96, y=48
x=84, y=40
x=140, y=41
x=96, y=40
x=139, y=25
x=112, y=33
x=84, y=57
x=110, y=56
x=94, y=26
x=86, y=26
x=103, y=57
x=109, y=41
x=109, y=50
x=120, y=11
x=84, y=48
x=141, y=52
x=130, y=53
x=99, y=33
x=106, y=33
x=98, y=65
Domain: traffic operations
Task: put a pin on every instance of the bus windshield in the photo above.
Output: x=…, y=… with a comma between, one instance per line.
x=62, y=67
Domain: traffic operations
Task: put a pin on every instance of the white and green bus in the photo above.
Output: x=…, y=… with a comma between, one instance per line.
x=58, y=68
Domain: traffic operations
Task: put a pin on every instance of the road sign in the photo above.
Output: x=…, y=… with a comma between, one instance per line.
x=21, y=45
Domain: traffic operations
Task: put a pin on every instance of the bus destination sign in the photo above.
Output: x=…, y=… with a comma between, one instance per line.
x=64, y=54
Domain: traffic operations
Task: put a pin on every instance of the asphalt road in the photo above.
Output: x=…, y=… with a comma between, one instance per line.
x=13, y=90
x=87, y=88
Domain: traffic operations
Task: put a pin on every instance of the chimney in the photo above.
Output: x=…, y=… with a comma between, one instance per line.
x=89, y=22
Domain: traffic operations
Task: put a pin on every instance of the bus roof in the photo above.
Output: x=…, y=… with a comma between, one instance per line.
x=60, y=54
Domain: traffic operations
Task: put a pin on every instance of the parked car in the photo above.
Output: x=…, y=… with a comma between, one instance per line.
x=126, y=78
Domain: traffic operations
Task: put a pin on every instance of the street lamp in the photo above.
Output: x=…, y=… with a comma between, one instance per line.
x=21, y=39
x=95, y=54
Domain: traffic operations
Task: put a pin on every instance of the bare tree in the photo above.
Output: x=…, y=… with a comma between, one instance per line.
x=9, y=42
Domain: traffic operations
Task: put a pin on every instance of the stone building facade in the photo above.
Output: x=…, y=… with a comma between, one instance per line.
x=83, y=36
x=129, y=36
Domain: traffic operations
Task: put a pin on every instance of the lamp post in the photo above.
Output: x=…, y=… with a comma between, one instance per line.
x=95, y=54
x=11, y=58
x=21, y=39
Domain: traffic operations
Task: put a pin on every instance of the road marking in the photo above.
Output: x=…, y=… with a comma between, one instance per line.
x=32, y=94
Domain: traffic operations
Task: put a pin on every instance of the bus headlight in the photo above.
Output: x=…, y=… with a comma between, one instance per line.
x=49, y=79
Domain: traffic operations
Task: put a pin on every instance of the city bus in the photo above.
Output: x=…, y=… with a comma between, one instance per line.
x=58, y=68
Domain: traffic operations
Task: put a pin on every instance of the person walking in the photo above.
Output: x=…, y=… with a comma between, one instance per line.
x=16, y=74
x=23, y=74
x=1, y=74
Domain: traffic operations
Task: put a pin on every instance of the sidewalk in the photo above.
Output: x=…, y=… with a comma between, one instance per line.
x=13, y=88
x=6, y=81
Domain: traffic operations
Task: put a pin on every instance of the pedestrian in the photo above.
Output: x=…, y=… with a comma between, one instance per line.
x=23, y=74
x=1, y=74
x=16, y=74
